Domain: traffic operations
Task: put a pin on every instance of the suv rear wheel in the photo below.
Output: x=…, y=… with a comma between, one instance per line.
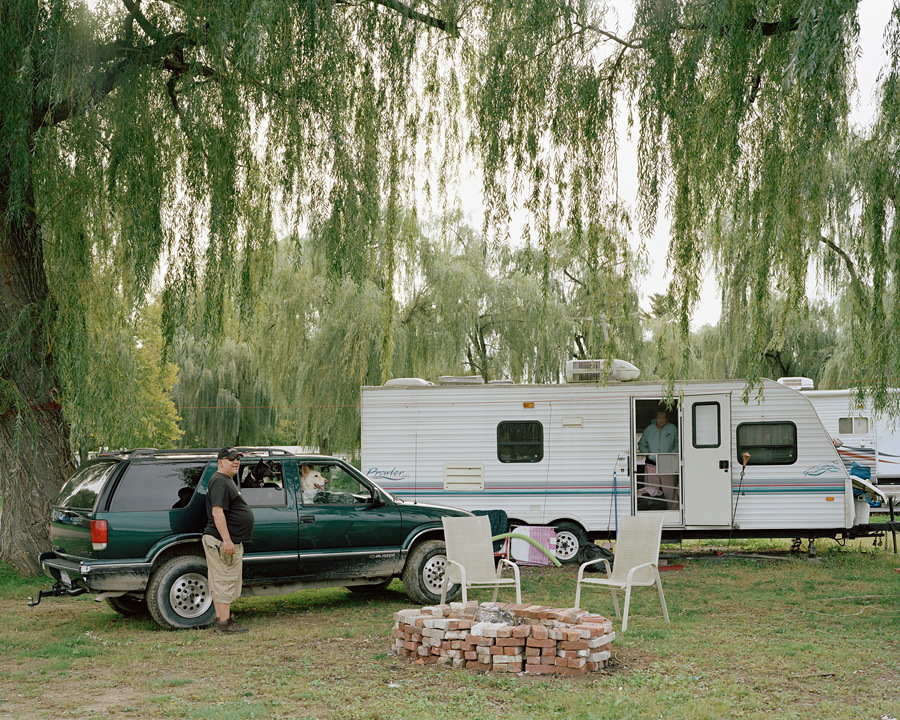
x=424, y=571
x=127, y=605
x=179, y=596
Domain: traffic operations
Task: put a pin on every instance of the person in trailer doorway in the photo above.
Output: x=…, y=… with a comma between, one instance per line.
x=229, y=524
x=661, y=437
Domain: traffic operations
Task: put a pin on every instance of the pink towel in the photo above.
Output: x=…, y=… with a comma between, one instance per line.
x=524, y=553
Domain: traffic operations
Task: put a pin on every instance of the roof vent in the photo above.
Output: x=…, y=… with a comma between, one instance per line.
x=594, y=371
x=461, y=380
x=797, y=383
x=406, y=382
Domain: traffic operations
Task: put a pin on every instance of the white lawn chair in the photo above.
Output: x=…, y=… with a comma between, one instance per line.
x=636, y=562
x=470, y=558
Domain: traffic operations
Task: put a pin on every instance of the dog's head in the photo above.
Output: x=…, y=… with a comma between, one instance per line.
x=311, y=479
x=258, y=473
x=262, y=469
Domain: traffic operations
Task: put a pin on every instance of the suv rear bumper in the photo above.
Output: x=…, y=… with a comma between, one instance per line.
x=96, y=575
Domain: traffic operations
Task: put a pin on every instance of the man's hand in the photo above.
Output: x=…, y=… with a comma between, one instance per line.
x=219, y=519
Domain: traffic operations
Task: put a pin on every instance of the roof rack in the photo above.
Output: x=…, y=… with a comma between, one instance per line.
x=155, y=452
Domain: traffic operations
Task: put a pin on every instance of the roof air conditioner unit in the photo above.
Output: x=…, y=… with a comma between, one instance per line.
x=797, y=383
x=407, y=382
x=594, y=371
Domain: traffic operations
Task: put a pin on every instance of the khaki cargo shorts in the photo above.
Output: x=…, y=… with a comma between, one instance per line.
x=225, y=572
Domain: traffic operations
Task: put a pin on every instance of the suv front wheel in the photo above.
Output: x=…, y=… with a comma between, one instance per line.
x=179, y=596
x=424, y=571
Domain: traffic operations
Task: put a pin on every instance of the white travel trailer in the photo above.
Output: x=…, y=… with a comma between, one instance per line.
x=861, y=435
x=571, y=456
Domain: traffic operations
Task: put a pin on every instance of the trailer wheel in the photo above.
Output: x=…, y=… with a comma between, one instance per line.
x=424, y=571
x=570, y=541
x=179, y=596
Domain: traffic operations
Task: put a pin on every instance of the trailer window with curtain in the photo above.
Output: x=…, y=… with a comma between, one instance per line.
x=769, y=443
x=520, y=442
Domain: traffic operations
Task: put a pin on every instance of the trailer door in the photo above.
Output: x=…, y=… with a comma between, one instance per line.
x=706, y=452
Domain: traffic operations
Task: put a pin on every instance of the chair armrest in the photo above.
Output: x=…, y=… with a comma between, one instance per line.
x=640, y=567
x=594, y=562
x=504, y=561
x=462, y=571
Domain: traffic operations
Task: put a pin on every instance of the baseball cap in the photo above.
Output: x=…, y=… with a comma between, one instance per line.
x=229, y=454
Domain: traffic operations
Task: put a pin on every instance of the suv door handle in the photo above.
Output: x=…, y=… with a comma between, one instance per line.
x=307, y=519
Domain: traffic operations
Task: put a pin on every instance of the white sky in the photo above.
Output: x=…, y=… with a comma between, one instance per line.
x=873, y=16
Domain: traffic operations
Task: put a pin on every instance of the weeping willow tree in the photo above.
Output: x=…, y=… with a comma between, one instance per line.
x=223, y=396
x=292, y=375
x=768, y=180
x=807, y=347
x=179, y=131
x=458, y=306
x=189, y=132
x=517, y=313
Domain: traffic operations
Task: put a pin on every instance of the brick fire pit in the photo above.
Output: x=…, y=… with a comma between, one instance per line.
x=505, y=638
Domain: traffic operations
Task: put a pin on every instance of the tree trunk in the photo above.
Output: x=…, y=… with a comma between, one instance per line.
x=35, y=457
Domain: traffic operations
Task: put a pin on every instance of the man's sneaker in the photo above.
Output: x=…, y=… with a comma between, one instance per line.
x=228, y=627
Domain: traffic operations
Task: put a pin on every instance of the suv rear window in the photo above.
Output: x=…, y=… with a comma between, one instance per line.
x=81, y=490
x=157, y=486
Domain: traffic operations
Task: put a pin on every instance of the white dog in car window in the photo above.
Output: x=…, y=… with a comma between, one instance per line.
x=311, y=482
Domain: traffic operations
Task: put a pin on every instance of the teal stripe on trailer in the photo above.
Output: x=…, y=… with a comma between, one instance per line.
x=836, y=489
x=509, y=493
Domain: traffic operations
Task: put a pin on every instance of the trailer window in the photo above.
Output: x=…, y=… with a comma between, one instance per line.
x=772, y=443
x=706, y=425
x=853, y=426
x=520, y=442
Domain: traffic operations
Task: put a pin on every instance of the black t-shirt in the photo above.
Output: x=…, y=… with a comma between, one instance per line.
x=223, y=491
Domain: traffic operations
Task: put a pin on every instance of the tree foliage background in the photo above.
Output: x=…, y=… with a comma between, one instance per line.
x=176, y=141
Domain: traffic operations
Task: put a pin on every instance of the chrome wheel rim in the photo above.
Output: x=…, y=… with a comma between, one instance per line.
x=190, y=596
x=433, y=573
x=567, y=545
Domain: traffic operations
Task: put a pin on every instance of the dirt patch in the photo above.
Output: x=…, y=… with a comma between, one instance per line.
x=627, y=660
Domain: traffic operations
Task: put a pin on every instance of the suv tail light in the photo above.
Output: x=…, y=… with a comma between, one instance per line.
x=99, y=534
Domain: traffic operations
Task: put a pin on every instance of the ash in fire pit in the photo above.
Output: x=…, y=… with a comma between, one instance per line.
x=505, y=638
x=491, y=613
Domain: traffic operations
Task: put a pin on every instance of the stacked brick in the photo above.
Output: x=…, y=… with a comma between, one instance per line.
x=537, y=640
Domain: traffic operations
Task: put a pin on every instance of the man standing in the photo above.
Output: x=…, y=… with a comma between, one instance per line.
x=661, y=437
x=229, y=524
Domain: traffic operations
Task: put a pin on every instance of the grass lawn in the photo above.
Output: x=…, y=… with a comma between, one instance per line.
x=767, y=636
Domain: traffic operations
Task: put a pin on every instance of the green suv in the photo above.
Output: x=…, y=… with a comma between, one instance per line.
x=127, y=527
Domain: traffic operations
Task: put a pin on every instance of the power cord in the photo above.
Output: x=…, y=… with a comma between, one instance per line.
x=746, y=457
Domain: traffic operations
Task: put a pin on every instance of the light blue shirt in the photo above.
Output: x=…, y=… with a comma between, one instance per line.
x=654, y=440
